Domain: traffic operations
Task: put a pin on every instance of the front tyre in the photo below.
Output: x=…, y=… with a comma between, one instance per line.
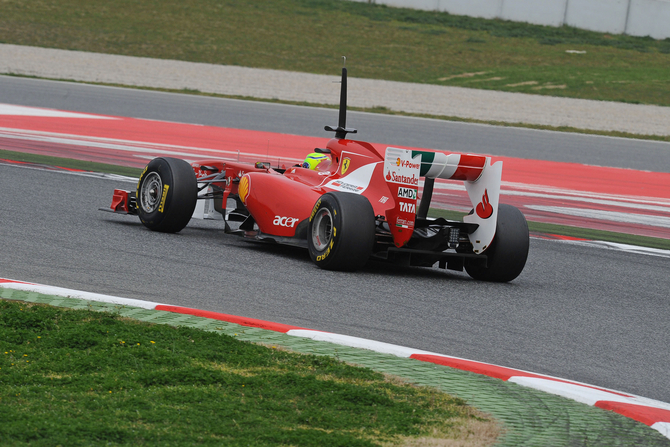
x=508, y=251
x=166, y=194
x=341, y=232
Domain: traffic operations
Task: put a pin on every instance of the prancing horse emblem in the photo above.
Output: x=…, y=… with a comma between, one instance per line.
x=345, y=165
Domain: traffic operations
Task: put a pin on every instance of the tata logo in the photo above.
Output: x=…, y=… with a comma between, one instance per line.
x=288, y=222
x=345, y=165
x=407, y=193
x=407, y=207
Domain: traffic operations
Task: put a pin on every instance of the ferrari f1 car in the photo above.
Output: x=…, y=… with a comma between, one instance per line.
x=360, y=204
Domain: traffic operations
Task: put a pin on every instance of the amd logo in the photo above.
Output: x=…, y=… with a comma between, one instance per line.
x=407, y=193
x=288, y=222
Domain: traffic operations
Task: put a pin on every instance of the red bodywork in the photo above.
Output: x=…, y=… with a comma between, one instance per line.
x=280, y=202
x=278, y=205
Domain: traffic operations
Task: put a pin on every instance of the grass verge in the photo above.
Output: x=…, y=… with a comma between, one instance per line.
x=380, y=43
x=79, y=377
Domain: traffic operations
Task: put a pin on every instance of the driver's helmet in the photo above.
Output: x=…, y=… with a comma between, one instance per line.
x=314, y=159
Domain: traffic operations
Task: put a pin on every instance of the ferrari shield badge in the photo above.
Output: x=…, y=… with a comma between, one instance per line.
x=345, y=165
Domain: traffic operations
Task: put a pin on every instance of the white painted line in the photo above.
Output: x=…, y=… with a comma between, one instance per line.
x=139, y=147
x=642, y=203
x=10, y=109
x=580, y=393
x=100, y=175
x=663, y=427
x=611, y=216
x=562, y=193
x=544, y=192
x=622, y=247
x=69, y=293
x=355, y=342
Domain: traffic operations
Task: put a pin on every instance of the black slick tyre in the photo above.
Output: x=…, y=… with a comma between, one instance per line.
x=508, y=251
x=341, y=231
x=167, y=192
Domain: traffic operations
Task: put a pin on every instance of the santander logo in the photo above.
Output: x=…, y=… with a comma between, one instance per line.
x=484, y=208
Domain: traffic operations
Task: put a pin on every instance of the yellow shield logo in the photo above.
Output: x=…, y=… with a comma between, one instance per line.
x=243, y=189
x=345, y=165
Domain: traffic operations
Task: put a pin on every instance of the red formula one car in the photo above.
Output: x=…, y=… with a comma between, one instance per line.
x=360, y=203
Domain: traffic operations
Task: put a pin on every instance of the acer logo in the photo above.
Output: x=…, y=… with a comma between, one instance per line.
x=288, y=222
x=484, y=208
x=407, y=193
x=407, y=207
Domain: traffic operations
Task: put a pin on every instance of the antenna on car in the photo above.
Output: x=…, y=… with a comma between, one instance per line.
x=341, y=130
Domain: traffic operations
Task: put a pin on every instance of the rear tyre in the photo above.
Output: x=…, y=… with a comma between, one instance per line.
x=341, y=232
x=166, y=194
x=508, y=252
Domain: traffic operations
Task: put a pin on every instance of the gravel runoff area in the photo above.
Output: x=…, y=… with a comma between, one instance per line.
x=461, y=102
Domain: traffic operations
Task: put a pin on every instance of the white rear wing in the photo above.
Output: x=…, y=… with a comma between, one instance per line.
x=482, y=182
x=484, y=195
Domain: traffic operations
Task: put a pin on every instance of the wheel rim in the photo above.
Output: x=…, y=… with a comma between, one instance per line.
x=150, y=192
x=322, y=229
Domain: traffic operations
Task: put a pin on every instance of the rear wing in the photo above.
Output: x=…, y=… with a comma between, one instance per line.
x=403, y=168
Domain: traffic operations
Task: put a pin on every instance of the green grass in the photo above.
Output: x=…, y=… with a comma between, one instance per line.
x=78, y=377
x=380, y=43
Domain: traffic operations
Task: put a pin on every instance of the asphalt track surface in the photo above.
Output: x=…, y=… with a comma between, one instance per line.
x=585, y=314
x=591, y=315
x=309, y=121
